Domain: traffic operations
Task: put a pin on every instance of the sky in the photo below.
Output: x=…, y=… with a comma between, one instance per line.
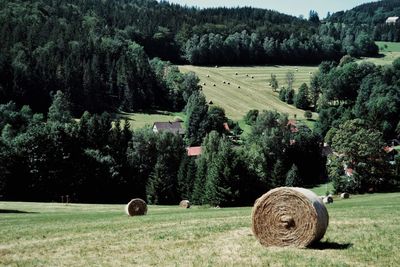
x=291, y=7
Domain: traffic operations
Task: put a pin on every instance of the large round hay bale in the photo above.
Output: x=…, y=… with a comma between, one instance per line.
x=344, y=195
x=136, y=207
x=289, y=216
x=184, y=204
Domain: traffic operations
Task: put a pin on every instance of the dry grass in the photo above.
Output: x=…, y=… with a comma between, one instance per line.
x=363, y=231
x=254, y=93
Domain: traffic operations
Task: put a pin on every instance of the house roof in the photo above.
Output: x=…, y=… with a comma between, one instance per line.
x=193, y=151
x=170, y=126
x=293, y=126
x=226, y=127
x=349, y=171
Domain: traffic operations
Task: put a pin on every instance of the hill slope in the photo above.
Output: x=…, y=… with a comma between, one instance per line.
x=363, y=231
x=254, y=93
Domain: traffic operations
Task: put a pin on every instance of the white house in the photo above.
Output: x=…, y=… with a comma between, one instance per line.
x=392, y=20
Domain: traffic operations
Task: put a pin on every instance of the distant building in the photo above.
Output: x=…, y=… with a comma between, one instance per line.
x=194, y=151
x=226, y=127
x=174, y=127
x=392, y=20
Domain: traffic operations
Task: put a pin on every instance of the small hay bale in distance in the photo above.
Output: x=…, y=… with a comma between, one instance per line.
x=184, y=204
x=289, y=216
x=328, y=200
x=135, y=207
x=344, y=195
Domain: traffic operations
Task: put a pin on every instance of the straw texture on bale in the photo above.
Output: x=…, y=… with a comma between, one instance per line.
x=344, y=195
x=136, y=207
x=184, y=204
x=289, y=216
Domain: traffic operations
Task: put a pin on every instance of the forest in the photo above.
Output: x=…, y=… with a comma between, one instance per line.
x=67, y=66
x=97, y=159
x=371, y=18
x=99, y=52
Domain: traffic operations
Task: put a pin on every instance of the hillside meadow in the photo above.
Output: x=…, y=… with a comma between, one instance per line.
x=254, y=91
x=363, y=231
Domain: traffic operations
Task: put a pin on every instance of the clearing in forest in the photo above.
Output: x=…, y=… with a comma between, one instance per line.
x=222, y=87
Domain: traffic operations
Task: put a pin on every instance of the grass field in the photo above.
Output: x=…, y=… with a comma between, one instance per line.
x=363, y=231
x=141, y=120
x=389, y=51
x=254, y=93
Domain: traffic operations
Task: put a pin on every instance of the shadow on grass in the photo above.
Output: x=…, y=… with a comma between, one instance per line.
x=330, y=245
x=15, y=211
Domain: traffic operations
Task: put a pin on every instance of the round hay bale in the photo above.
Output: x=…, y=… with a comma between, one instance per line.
x=136, y=207
x=184, y=204
x=328, y=200
x=344, y=195
x=289, y=216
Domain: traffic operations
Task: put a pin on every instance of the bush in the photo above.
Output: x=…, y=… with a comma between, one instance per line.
x=251, y=116
x=308, y=115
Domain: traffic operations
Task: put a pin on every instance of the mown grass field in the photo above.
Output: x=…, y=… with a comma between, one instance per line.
x=146, y=119
x=254, y=93
x=363, y=231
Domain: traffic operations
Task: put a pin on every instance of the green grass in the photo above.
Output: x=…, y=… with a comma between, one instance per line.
x=397, y=148
x=363, y=231
x=254, y=93
x=388, y=46
x=322, y=189
x=141, y=120
x=387, y=54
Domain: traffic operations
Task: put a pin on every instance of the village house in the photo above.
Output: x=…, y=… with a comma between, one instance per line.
x=194, y=151
x=392, y=20
x=174, y=127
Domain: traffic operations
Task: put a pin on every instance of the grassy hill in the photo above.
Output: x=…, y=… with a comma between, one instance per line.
x=254, y=91
x=146, y=119
x=363, y=231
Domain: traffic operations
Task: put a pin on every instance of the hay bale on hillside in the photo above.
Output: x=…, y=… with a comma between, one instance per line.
x=344, y=195
x=184, y=204
x=136, y=207
x=328, y=200
x=289, y=216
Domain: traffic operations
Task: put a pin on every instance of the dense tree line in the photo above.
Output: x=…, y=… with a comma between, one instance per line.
x=99, y=159
x=363, y=91
x=371, y=17
x=97, y=52
x=253, y=48
x=359, y=115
